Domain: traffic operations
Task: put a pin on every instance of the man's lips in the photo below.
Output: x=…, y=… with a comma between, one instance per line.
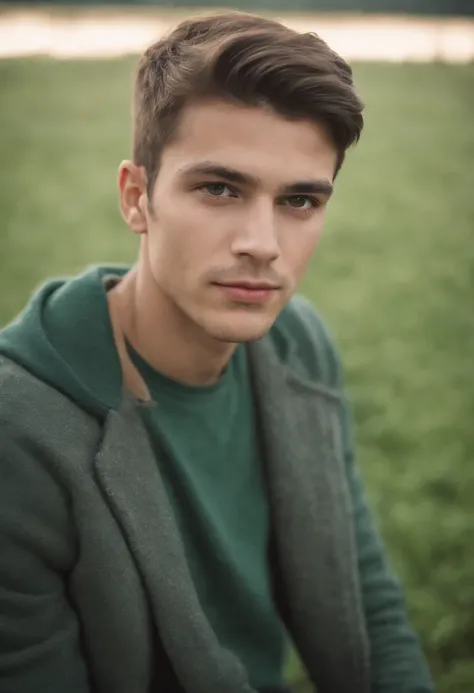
x=248, y=292
x=246, y=284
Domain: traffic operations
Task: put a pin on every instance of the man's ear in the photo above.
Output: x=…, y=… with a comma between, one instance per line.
x=133, y=196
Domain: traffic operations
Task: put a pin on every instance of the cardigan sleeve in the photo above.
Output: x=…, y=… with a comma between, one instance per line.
x=40, y=647
x=398, y=664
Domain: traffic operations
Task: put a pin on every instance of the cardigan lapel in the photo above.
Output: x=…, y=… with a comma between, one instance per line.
x=127, y=469
x=313, y=522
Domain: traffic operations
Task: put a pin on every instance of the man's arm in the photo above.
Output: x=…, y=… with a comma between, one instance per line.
x=397, y=661
x=39, y=631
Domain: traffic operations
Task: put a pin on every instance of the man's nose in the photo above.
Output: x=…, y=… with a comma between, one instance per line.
x=257, y=235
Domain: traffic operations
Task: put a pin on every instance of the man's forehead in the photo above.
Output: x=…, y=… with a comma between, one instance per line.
x=247, y=137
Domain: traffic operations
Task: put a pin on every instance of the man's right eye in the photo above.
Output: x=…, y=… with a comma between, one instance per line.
x=217, y=190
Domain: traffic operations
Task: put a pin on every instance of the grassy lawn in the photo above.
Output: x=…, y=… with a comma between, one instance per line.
x=394, y=277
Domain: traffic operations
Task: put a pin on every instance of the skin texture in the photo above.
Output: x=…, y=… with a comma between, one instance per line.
x=201, y=230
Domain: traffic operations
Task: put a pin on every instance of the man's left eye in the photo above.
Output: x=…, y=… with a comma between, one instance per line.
x=303, y=202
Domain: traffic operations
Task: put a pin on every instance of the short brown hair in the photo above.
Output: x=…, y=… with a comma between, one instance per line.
x=246, y=59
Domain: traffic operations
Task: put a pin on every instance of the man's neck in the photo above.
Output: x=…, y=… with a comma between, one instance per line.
x=168, y=341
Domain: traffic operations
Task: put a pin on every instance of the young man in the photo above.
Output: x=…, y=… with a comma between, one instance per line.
x=178, y=495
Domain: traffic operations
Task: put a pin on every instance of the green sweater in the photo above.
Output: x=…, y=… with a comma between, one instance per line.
x=97, y=587
x=206, y=440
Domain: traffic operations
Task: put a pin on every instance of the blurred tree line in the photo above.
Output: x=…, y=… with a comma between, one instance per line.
x=417, y=7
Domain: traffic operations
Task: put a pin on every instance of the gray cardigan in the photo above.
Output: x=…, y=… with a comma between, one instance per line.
x=92, y=565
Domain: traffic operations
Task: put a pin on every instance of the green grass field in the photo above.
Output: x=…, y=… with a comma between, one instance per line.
x=394, y=277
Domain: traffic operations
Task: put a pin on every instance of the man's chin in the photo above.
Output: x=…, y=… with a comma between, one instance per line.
x=242, y=330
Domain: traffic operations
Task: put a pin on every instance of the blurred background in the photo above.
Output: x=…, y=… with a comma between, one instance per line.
x=393, y=277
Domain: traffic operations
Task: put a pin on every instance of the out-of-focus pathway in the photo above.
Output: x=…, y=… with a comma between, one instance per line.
x=111, y=32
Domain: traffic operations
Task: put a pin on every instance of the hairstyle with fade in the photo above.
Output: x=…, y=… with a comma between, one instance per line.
x=245, y=59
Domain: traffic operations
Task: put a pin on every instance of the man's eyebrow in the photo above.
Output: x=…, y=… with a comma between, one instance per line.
x=303, y=187
x=208, y=168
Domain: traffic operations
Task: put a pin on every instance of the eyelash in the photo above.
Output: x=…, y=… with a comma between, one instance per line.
x=315, y=203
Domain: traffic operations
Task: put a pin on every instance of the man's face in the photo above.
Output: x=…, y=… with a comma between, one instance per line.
x=235, y=215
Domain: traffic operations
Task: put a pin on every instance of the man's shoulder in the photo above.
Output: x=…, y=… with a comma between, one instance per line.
x=304, y=343
x=22, y=391
x=32, y=410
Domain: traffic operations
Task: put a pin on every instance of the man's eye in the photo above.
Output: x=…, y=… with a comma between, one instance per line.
x=303, y=202
x=217, y=189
